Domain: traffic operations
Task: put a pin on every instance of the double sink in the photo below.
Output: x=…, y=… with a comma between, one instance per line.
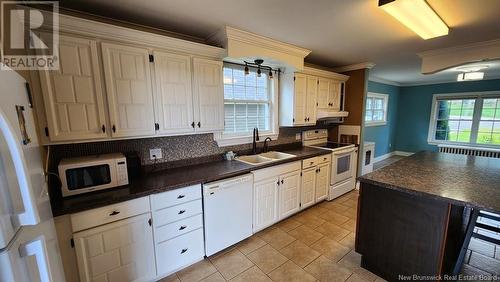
x=264, y=158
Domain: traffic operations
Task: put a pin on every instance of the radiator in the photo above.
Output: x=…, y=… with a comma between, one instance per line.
x=471, y=151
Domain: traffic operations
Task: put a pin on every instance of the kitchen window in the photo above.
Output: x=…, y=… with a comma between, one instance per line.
x=376, y=109
x=250, y=101
x=468, y=118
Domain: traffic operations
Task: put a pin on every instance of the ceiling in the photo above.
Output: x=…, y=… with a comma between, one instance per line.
x=338, y=32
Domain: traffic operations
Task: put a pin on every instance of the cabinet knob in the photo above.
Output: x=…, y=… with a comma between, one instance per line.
x=114, y=213
x=192, y=124
x=278, y=182
x=182, y=227
x=182, y=211
x=184, y=250
x=199, y=124
x=181, y=196
x=282, y=181
x=103, y=128
x=113, y=128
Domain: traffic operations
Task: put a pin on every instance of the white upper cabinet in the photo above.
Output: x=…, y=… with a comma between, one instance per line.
x=335, y=94
x=300, y=94
x=174, y=97
x=72, y=95
x=128, y=85
x=208, y=95
x=324, y=99
x=311, y=100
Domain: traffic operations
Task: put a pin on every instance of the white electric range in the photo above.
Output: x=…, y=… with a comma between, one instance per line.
x=344, y=161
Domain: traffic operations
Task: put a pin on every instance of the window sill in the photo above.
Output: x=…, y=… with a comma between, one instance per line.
x=239, y=140
x=379, y=123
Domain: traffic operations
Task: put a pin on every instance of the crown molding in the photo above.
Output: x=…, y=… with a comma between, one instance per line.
x=365, y=65
x=383, y=81
x=91, y=28
x=440, y=59
x=240, y=44
x=325, y=73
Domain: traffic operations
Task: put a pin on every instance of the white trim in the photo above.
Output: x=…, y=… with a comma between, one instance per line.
x=475, y=121
x=437, y=60
x=365, y=65
x=105, y=31
x=403, y=153
x=383, y=157
x=325, y=73
x=383, y=81
x=454, y=80
x=386, y=109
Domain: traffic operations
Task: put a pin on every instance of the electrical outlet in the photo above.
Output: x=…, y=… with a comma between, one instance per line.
x=390, y=145
x=298, y=136
x=155, y=154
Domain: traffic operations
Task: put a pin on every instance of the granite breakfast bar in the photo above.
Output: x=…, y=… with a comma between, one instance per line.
x=412, y=214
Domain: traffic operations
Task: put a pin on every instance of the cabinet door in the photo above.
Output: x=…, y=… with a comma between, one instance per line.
x=324, y=93
x=208, y=95
x=265, y=203
x=299, y=101
x=322, y=182
x=72, y=95
x=311, y=98
x=289, y=194
x=128, y=85
x=335, y=95
x=308, y=187
x=119, y=251
x=174, y=97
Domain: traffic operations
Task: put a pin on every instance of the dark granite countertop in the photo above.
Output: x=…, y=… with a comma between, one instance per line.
x=463, y=180
x=161, y=180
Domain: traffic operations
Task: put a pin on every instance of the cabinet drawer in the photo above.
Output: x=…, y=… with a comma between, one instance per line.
x=95, y=217
x=174, y=229
x=184, y=250
x=175, y=197
x=176, y=213
x=309, y=162
x=324, y=159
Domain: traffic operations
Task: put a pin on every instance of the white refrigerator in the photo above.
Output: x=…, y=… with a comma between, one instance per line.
x=28, y=243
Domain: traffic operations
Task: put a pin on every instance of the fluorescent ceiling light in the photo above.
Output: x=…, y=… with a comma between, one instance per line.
x=416, y=15
x=466, y=76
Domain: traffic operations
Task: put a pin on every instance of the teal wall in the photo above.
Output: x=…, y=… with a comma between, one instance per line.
x=414, y=110
x=384, y=136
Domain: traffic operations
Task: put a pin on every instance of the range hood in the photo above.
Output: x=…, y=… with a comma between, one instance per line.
x=328, y=114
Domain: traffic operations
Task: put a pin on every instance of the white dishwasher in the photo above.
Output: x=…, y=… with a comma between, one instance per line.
x=227, y=210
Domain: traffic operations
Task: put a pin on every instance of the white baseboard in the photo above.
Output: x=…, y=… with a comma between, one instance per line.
x=390, y=154
x=403, y=153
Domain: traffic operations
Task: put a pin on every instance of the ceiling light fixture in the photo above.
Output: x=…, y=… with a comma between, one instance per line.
x=469, y=76
x=258, y=63
x=247, y=71
x=416, y=15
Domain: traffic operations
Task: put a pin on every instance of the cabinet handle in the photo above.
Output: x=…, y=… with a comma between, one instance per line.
x=103, y=128
x=113, y=128
x=182, y=211
x=278, y=183
x=282, y=181
x=192, y=124
x=184, y=250
x=114, y=213
x=305, y=119
x=182, y=227
x=199, y=124
x=311, y=163
x=319, y=169
x=181, y=196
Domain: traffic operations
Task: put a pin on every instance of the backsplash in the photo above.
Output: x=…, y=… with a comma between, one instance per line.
x=174, y=148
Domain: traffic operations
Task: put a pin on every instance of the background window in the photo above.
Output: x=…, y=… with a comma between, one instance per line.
x=376, y=109
x=471, y=120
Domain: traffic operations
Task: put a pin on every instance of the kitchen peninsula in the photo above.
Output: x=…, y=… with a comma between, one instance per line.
x=412, y=214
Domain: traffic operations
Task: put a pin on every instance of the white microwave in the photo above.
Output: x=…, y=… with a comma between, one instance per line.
x=92, y=173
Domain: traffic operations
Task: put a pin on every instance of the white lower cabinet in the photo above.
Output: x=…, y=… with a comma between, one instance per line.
x=118, y=251
x=276, y=194
x=322, y=182
x=308, y=188
x=177, y=229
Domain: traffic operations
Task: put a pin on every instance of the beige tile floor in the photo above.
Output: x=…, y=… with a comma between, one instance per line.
x=313, y=245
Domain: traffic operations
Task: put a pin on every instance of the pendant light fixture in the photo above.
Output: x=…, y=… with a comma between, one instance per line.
x=270, y=74
x=247, y=71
